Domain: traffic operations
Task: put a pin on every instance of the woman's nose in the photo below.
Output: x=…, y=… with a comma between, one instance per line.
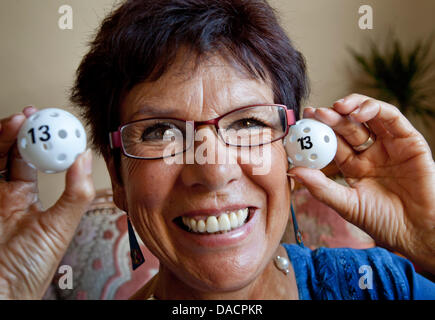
x=215, y=164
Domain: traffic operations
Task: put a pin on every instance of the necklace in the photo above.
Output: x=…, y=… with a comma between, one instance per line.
x=281, y=264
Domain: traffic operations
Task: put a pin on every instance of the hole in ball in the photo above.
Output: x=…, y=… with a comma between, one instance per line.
x=62, y=134
x=307, y=129
x=326, y=138
x=54, y=114
x=292, y=138
x=313, y=156
x=34, y=117
x=78, y=133
x=61, y=157
x=299, y=157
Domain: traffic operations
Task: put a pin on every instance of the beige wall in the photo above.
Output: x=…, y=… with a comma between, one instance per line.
x=38, y=60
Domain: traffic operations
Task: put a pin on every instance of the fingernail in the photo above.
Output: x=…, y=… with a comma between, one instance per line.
x=291, y=175
x=28, y=107
x=87, y=165
x=339, y=101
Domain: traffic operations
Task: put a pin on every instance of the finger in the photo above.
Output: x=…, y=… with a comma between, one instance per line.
x=345, y=155
x=376, y=112
x=354, y=133
x=343, y=199
x=375, y=125
x=29, y=110
x=349, y=103
x=8, y=134
x=309, y=112
x=19, y=170
x=351, y=164
x=63, y=217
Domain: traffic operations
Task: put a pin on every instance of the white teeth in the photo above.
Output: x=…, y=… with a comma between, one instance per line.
x=185, y=221
x=193, y=224
x=242, y=214
x=212, y=224
x=201, y=226
x=225, y=222
x=234, y=221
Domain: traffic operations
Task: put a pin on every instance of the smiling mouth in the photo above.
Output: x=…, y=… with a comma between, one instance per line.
x=215, y=224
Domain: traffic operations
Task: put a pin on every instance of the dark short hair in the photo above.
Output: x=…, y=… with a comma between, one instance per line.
x=140, y=39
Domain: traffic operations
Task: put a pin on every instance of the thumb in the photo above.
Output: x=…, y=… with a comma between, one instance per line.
x=64, y=216
x=342, y=199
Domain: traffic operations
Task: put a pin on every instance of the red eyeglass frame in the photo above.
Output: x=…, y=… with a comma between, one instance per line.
x=115, y=140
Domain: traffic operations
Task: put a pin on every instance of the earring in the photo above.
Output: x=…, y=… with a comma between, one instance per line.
x=136, y=255
x=298, y=234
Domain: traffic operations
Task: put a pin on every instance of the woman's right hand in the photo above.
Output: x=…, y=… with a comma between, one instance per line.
x=33, y=240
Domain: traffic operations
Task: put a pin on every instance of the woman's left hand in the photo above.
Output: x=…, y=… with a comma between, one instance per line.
x=391, y=193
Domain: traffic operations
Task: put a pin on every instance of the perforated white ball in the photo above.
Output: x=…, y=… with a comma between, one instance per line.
x=311, y=144
x=51, y=139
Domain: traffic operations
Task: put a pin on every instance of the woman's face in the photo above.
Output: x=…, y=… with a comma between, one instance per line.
x=156, y=194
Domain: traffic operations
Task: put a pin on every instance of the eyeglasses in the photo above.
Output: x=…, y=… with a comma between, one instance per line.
x=157, y=138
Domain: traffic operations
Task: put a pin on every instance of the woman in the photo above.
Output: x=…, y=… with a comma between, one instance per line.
x=215, y=226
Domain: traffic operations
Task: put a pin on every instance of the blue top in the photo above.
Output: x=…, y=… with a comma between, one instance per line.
x=352, y=274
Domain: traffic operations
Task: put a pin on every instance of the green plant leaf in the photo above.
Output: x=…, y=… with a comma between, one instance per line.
x=399, y=76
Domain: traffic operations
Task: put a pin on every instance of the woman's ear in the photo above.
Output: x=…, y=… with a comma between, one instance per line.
x=113, y=166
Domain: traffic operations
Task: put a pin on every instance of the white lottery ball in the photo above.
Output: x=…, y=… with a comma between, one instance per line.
x=51, y=139
x=311, y=144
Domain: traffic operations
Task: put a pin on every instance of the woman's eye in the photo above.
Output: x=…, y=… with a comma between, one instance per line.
x=159, y=132
x=247, y=124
